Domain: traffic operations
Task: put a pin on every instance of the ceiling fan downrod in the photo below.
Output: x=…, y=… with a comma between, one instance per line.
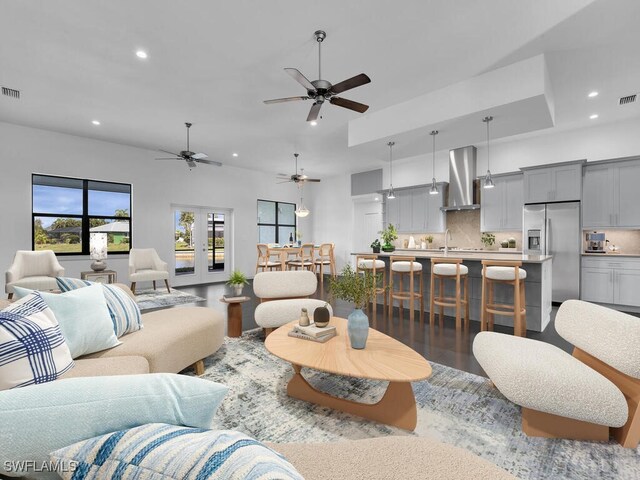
x=320, y=36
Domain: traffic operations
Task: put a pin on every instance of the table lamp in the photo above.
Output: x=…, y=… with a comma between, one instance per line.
x=98, y=247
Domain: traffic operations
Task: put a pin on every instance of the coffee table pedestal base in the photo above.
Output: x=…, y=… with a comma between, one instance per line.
x=397, y=407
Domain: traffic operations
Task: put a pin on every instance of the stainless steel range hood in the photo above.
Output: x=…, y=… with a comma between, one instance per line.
x=462, y=179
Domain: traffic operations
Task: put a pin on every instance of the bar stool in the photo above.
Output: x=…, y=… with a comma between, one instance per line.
x=371, y=263
x=505, y=273
x=406, y=266
x=449, y=269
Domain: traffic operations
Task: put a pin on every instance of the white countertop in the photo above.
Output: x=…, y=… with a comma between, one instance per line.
x=465, y=255
x=611, y=255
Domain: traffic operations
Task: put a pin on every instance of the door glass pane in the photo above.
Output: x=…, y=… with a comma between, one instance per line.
x=286, y=214
x=184, y=248
x=266, y=212
x=215, y=240
x=286, y=234
x=60, y=234
x=117, y=231
x=266, y=234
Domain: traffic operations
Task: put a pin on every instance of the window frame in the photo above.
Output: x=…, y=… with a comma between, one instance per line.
x=85, y=217
x=277, y=225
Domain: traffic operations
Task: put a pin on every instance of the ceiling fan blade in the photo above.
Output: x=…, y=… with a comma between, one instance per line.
x=312, y=180
x=208, y=162
x=300, y=78
x=170, y=153
x=314, y=112
x=199, y=156
x=169, y=158
x=191, y=164
x=287, y=99
x=350, y=83
x=286, y=181
x=350, y=104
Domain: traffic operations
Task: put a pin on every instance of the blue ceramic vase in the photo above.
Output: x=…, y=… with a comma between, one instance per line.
x=358, y=328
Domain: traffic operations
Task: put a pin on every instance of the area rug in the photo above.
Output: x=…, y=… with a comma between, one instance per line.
x=149, y=299
x=454, y=407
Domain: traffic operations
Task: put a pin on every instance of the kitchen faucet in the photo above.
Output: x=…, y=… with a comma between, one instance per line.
x=447, y=237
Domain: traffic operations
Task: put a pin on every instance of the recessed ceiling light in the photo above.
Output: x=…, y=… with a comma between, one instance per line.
x=95, y=122
x=376, y=199
x=594, y=116
x=313, y=123
x=234, y=154
x=141, y=54
x=593, y=94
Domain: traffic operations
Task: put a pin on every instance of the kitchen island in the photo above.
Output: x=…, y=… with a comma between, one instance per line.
x=538, y=283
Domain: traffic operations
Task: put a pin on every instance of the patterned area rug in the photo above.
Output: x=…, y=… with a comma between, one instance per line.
x=149, y=299
x=454, y=407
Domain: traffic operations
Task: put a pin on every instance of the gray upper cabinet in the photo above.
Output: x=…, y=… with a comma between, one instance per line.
x=562, y=183
x=415, y=211
x=501, y=206
x=611, y=195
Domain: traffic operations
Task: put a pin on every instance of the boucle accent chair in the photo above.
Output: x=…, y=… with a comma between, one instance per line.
x=33, y=270
x=608, y=341
x=146, y=266
x=561, y=397
x=282, y=295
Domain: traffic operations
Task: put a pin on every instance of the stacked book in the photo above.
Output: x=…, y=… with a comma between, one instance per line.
x=313, y=333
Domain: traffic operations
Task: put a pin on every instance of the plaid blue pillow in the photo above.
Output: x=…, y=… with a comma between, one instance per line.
x=124, y=311
x=32, y=348
x=159, y=451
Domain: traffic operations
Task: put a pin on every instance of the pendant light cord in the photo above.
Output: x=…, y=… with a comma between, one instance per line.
x=391, y=144
x=487, y=120
x=433, y=166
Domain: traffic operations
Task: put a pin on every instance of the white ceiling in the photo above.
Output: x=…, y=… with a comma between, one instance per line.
x=212, y=63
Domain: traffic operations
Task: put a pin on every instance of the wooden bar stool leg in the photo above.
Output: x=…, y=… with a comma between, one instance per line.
x=458, y=306
x=466, y=301
x=432, y=290
x=483, y=303
x=490, y=305
x=441, y=294
x=390, y=295
x=517, y=311
x=411, y=298
x=400, y=300
x=384, y=291
x=421, y=299
x=524, y=306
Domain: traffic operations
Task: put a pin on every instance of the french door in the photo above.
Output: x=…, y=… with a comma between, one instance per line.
x=202, y=244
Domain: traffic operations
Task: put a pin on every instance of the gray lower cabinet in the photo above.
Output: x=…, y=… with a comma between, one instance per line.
x=612, y=281
x=611, y=194
x=501, y=206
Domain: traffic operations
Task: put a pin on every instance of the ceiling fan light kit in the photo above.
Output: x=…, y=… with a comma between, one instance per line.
x=322, y=90
x=488, y=181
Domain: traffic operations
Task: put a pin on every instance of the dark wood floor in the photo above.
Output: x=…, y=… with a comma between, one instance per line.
x=441, y=344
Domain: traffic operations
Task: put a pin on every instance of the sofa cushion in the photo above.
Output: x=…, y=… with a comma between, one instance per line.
x=285, y=284
x=39, y=419
x=148, y=275
x=172, y=338
x=100, y=367
x=611, y=336
x=159, y=451
x=32, y=347
x=540, y=376
x=83, y=317
x=276, y=313
x=124, y=311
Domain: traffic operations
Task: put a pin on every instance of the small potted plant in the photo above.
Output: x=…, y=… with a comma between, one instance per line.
x=237, y=280
x=488, y=239
x=388, y=235
x=358, y=289
x=429, y=240
x=375, y=245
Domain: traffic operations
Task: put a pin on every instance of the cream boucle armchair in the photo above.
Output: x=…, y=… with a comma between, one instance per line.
x=146, y=266
x=34, y=270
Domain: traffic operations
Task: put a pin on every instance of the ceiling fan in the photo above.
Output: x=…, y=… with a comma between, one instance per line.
x=321, y=90
x=297, y=179
x=188, y=156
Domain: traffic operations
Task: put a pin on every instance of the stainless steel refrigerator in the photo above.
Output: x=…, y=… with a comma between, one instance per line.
x=554, y=229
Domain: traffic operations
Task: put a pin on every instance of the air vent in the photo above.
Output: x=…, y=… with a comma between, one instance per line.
x=627, y=99
x=10, y=92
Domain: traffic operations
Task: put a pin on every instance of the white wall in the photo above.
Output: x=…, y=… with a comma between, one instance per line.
x=156, y=186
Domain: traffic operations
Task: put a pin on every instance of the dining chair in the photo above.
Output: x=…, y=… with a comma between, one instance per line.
x=264, y=262
x=274, y=258
x=305, y=259
x=325, y=258
x=293, y=254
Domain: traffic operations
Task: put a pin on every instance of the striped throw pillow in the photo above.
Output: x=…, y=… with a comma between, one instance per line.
x=32, y=348
x=158, y=451
x=124, y=311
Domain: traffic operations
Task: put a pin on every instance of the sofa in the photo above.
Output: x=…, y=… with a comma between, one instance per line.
x=170, y=341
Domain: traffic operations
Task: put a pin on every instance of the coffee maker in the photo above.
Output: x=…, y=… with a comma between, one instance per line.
x=595, y=242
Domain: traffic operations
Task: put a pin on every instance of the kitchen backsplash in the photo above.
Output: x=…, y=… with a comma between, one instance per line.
x=627, y=241
x=464, y=226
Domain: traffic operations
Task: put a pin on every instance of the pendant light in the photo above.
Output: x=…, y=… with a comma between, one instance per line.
x=301, y=211
x=434, y=188
x=488, y=181
x=391, y=195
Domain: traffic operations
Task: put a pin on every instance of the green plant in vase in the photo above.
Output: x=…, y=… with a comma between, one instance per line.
x=358, y=289
x=388, y=235
x=375, y=245
x=488, y=239
x=237, y=280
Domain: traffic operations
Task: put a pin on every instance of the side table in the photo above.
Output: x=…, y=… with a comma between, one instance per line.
x=234, y=314
x=104, y=276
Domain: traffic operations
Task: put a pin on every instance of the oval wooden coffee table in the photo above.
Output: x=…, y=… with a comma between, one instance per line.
x=384, y=358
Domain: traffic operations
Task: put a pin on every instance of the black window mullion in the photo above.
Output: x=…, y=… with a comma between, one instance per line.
x=85, y=218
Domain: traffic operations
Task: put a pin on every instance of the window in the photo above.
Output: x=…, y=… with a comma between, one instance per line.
x=276, y=221
x=66, y=210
